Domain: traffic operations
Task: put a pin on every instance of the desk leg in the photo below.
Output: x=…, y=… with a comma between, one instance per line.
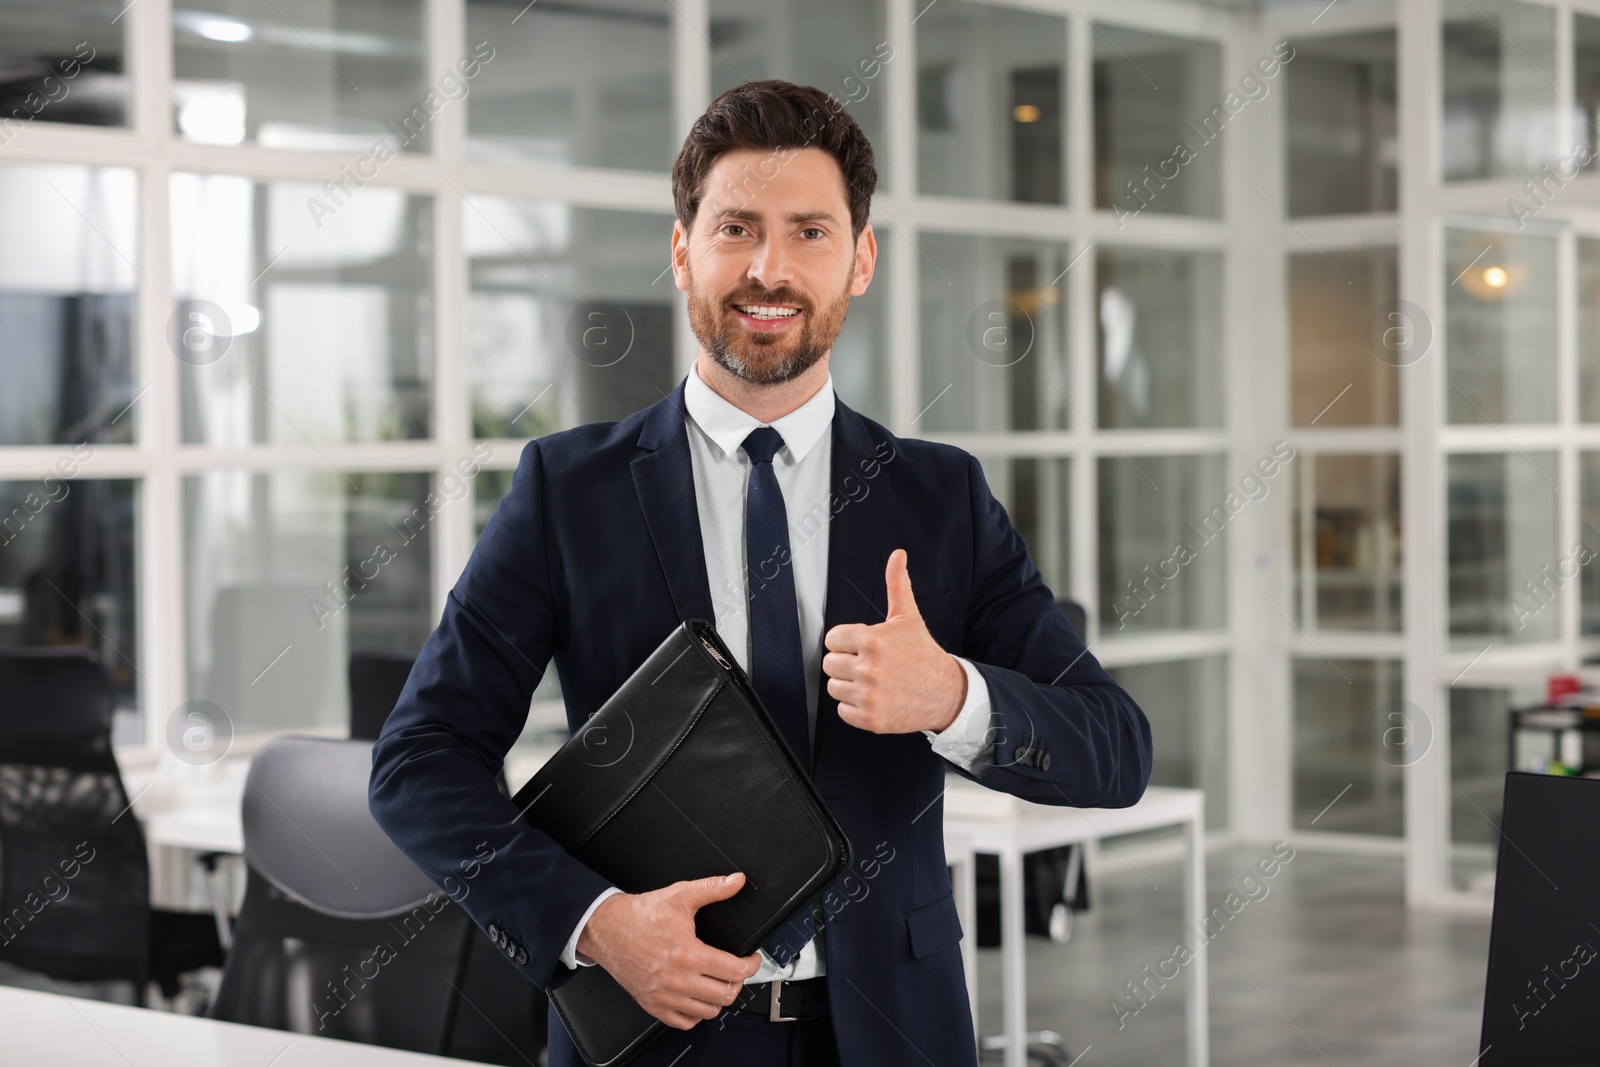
x=966, y=878
x=1013, y=962
x=1194, y=895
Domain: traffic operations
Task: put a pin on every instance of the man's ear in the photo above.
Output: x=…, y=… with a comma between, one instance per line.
x=866, y=260
x=679, y=251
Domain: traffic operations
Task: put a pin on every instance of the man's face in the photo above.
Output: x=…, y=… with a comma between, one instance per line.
x=770, y=265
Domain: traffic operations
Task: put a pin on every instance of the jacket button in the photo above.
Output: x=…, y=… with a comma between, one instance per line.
x=494, y=933
x=522, y=956
x=1021, y=754
x=1045, y=762
x=511, y=950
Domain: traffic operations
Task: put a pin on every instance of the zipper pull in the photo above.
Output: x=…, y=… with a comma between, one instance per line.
x=716, y=655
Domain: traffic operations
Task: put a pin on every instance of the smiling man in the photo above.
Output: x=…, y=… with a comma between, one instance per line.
x=809, y=521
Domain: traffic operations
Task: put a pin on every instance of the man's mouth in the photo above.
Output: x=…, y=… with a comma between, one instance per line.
x=767, y=318
x=768, y=312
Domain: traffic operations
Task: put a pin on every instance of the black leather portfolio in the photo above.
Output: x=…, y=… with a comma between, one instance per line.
x=682, y=774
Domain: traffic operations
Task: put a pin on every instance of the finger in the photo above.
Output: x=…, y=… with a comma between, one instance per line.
x=677, y=1019
x=698, y=892
x=713, y=990
x=722, y=966
x=846, y=637
x=902, y=604
x=845, y=692
x=693, y=1007
x=840, y=665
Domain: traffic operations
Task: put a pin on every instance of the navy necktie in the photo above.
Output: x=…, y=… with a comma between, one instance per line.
x=778, y=668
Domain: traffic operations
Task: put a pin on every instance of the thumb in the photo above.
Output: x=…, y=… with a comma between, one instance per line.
x=702, y=891
x=902, y=604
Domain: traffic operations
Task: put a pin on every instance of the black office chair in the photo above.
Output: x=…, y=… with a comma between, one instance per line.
x=1077, y=615
x=74, y=876
x=341, y=936
x=376, y=679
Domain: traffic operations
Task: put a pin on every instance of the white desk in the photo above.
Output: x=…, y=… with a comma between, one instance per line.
x=187, y=809
x=983, y=820
x=196, y=809
x=48, y=1028
x=184, y=810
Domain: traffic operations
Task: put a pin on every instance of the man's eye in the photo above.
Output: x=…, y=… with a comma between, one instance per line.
x=733, y=226
x=813, y=229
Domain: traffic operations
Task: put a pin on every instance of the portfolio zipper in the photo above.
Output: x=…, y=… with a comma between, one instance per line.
x=715, y=654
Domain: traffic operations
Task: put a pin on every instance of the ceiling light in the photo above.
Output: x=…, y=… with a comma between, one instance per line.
x=213, y=27
x=212, y=117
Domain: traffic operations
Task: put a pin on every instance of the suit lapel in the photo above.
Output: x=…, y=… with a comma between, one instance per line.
x=859, y=535
x=664, y=479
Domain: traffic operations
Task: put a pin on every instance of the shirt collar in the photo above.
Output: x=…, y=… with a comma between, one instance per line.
x=728, y=425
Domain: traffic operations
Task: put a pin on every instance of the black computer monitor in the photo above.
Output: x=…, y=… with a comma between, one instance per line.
x=1542, y=996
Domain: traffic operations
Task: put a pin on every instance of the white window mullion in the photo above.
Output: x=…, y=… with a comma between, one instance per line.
x=1255, y=402
x=1082, y=323
x=897, y=176
x=159, y=542
x=691, y=95
x=452, y=403
x=1569, y=514
x=1427, y=780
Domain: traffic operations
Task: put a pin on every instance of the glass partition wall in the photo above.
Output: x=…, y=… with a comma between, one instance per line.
x=1437, y=265
x=286, y=291
x=1271, y=329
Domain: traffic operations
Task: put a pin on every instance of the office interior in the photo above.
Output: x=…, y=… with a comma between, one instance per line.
x=1297, y=400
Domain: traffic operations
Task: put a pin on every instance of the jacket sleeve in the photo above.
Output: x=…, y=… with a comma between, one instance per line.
x=1060, y=729
x=433, y=788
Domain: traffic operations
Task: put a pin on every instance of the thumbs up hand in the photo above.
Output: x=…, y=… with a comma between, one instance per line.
x=892, y=677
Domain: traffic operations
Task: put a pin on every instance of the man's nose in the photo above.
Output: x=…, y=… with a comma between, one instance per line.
x=771, y=266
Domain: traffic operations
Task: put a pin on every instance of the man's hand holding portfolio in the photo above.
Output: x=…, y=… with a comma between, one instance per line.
x=647, y=942
x=892, y=677
x=889, y=678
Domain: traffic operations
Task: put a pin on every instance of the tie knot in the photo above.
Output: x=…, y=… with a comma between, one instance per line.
x=762, y=444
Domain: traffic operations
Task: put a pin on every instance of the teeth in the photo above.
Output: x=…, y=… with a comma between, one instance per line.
x=762, y=311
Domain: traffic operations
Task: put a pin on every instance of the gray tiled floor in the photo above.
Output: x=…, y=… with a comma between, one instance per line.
x=1327, y=968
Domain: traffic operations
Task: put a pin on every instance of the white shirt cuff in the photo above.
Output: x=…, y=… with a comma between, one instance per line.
x=964, y=740
x=569, y=955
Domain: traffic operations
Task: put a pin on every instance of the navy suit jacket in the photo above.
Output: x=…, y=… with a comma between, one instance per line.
x=595, y=556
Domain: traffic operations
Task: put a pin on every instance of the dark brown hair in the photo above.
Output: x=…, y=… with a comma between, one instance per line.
x=774, y=114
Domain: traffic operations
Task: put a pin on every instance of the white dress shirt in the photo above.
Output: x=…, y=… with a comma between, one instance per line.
x=716, y=431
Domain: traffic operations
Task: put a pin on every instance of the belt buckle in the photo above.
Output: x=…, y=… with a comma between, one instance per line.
x=776, y=988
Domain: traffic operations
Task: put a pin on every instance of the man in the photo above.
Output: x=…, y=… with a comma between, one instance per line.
x=753, y=497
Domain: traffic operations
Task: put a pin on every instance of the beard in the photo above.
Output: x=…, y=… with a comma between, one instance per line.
x=766, y=359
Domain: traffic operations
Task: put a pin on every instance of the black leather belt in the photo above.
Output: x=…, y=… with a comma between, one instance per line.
x=784, y=1002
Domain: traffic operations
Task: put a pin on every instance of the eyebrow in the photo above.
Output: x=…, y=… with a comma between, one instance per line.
x=746, y=215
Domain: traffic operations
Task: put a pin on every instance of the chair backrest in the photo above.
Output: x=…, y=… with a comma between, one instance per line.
x=55, y=692
x=339, y=935
x=1540, y=996
x=376, y=679
x=1077, y=616
x=74, y=877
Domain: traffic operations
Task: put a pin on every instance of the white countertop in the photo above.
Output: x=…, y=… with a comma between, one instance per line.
x=52, y=1030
